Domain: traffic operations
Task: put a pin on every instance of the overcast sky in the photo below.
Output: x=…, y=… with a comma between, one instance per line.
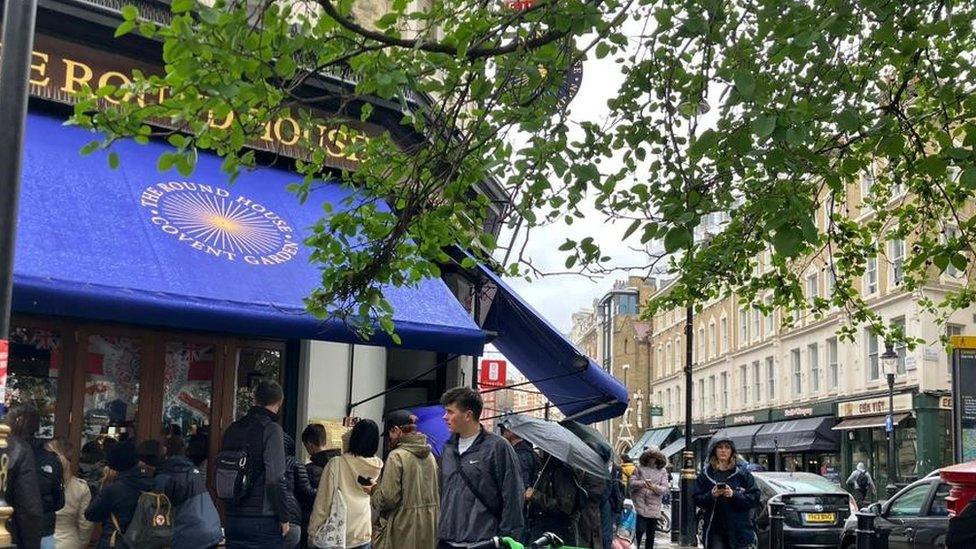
x=558, y=297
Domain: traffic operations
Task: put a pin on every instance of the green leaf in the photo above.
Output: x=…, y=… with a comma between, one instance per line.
x=130, y=12
x=90, y=147
x=113, y=160
x=745, y=83
x=764, y=126
x=959, y=153
x=633, y=227
x=566, y=246
x=678, y=238
x=787, y=241
x=125, y=28
x=707, y=141
x=165, y=161
x=968, y=177
x=602, y=50
x=959, y=261
x=182, y=6
x=570, y=261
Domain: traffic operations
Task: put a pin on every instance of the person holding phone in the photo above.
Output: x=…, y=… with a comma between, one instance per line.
x=648, y=484
x=726, y=493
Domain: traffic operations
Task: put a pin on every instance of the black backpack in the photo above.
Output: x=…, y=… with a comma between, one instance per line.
x=233, y=476
x=862, y=481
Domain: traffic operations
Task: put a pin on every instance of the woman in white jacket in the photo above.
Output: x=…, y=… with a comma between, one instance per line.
x=352, y=477
x=71, y=530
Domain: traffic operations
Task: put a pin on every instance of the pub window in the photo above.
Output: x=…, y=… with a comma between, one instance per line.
x=253, y=366
x=113, y=369
x=35, y=360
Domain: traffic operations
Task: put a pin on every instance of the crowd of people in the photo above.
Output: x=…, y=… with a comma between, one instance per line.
x=482, y=485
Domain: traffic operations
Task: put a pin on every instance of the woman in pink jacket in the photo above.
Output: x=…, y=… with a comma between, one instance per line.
x=648, y=483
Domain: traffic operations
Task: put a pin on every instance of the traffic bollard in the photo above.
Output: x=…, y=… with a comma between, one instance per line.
x=865, y=530
x=776, y=524
x=675, y=507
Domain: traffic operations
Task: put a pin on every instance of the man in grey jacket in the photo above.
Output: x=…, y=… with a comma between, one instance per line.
x=481, y=487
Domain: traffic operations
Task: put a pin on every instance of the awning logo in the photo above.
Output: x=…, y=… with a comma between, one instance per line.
x=211, y=220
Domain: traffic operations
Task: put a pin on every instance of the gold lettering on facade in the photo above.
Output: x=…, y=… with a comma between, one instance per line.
x=39, y=67
x=72, y=81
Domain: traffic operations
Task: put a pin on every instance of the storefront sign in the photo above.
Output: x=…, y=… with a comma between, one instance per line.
x=874, y=406
x=796, y=412
x=964, y=398
x=492, y=373
x=761, y=416
x=61, y=69
x=657, y=411
x=945, y=403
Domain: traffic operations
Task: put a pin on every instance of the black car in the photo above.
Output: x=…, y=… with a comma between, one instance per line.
x=815, y=509
x=915, y=518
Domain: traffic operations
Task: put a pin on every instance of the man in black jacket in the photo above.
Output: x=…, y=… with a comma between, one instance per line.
x=528, y=466
x=482, y=494
x=23, y=494
x=260, y=519
x=25, y=421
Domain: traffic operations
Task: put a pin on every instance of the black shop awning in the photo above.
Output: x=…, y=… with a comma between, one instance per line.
x=812, y=434
x=741, y=436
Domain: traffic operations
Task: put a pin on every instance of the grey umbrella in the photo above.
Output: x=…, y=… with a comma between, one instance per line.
x=557, y=441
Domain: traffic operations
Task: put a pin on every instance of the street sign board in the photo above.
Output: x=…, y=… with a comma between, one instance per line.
x=964, y=398
x=889, y=424
x=493, y=373
x=657, y=411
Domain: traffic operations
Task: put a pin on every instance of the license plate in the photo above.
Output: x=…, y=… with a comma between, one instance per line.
x=820, y=517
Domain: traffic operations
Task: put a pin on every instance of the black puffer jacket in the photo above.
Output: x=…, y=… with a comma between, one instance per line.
x=317, y=464
x=50, y=481
x=118, y=498
x=299, y=493
x=728, y=517
x=23, y=494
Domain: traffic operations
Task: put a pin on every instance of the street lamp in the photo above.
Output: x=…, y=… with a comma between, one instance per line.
x=889, y=362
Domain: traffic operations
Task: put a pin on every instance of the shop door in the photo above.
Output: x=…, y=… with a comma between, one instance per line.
x=36, y=375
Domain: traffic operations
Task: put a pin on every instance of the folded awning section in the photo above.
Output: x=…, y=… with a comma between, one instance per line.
x=741, y=436
x=870, y=422
x=679, y=445
x=812, y=434
x=652, y=437
x=139, y=246
x=576, y=385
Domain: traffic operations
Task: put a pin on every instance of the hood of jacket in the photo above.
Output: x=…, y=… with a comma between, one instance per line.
x=415, y=443
x=322, y=458
x=364, y=466
x=713, y=444
x=137, y=479
x=653, y=453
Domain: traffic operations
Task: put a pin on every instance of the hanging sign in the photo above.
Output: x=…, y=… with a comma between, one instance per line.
x=493, y=373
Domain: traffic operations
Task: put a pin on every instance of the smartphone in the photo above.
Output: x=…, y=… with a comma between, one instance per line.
x=365, y=481
x=721, y=486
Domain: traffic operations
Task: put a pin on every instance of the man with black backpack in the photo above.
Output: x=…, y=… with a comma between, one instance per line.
x=249, y=474
x=862, y=483
x=481, y=487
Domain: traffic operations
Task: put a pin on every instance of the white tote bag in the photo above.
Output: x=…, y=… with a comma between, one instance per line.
x=332, y=534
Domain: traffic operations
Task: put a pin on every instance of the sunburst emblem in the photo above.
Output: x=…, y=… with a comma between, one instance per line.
x=213, y=221
x=222, y=223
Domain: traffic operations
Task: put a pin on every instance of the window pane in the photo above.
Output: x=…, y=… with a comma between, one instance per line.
x=188, y=388
x=939, y=507
x=254, y=365
x=910, y=503
x=34, y=362
x=112, y=371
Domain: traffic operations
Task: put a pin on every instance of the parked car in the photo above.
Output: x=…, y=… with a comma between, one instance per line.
x=815, y=509
x=915, y=518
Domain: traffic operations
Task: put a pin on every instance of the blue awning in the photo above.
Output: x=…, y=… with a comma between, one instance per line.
x=576, y=385
x=139, y=246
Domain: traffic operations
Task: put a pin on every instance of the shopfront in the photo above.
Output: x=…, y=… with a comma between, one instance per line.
x=797, y=438
x=922, y=434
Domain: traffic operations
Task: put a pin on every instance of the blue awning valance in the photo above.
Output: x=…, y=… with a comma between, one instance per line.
x=134, y=245
x=576, y=385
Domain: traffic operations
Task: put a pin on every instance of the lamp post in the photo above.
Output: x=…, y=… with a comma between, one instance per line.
x=889, y=361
